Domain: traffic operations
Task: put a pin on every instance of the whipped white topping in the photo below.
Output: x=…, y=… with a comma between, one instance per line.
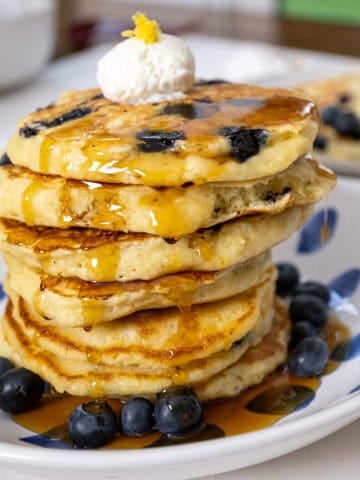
x=136, y=72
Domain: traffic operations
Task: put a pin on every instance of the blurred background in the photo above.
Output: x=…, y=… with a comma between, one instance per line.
x=34, y=31
x=327, y=25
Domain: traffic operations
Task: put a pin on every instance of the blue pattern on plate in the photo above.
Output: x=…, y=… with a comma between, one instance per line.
x=347, y=350
x=45, y=442
x=305, y=404
x=356, y=389
x=335, y=300
x=346, y=283
x=2, y=293
x=311, y=238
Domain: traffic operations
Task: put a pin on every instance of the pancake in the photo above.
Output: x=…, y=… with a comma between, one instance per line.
x=99, y=256
x=99, y=380
x=218, y=132
x=71, y=302
x=254, y=365
x=343, y=93
x=57, y=202
x=85, y=379
x=152, y=339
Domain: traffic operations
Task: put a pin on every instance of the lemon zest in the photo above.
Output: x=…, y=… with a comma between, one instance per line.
x=146, y=30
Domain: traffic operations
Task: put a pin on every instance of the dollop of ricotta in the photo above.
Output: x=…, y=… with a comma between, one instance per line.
x=147, y=67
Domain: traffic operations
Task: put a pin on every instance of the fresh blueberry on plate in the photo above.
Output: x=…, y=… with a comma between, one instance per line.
x=309, y=358
x=309, y=308
x=137, y=417
x=92, y=425
x=177, y=411
x=316, y=289
x=20, y=390
x=288, y=278
x=300, y=331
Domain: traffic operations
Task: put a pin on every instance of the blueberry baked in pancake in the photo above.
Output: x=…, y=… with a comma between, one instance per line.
x=215, y=133
x=339, y=102
x=137, y=222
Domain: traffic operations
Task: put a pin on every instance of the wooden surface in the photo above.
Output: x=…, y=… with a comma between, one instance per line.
x=333, y=38
x=343, y=39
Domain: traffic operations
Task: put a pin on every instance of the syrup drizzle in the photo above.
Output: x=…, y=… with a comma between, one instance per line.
x=256, y=408
x=87, y=147
x=28, y=199
x=325, y=231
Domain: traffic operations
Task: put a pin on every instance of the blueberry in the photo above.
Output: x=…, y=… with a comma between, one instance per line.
x=66, y=117
x=33, y=129
x=98, y=96
x=5, y=365
x=28, y=131
x=213, y=81
x=92, y=425
x=329, y=115
x=5, y=160
x=20, y=390
x=157, y=140
x=344, y=98
x=320, y=142
x=348, y=125
x=309, y=358
x=241, y=340
x=300, y=331
x=245, y=142
x=137, y=417
x=288, y=278
x=309, y=308
x=272, y=197
x=316, y=289
x=177, y=411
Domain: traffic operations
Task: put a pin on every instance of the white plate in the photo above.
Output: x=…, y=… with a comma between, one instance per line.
x=333, y=407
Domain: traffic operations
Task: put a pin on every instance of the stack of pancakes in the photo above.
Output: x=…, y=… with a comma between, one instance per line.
x=339, y=101
x=138, y=238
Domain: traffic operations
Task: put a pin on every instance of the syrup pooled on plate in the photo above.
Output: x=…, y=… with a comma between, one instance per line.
x=256, y=408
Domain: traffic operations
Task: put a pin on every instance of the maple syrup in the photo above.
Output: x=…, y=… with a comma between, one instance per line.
x=103, y=145
x=256, y=408
x=27, y=201
x=325, y=231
